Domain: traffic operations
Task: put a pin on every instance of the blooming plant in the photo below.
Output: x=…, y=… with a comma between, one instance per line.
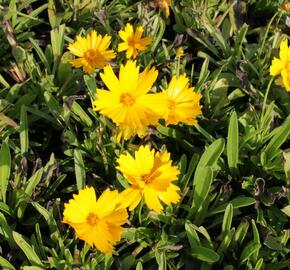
x=97, y=222
x=133, y=41
x=151, y=175
x=144, y=135
x=92, y=51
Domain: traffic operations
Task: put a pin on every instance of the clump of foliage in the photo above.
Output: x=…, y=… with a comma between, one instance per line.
x=234, y=163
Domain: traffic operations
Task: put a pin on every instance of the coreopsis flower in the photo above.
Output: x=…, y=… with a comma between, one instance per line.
x=285, y=6
x=127, y=101
x=163, y=5
x=182, y=102
x=179, y=52
x=133, y=41
x=150, y=174
x=92, y=51
x=97, y=222
x=281, y=66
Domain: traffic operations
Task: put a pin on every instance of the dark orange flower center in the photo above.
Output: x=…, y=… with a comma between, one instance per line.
x=146, y=178
x=127, y=99
x=171, y=104
x=92, y=219
x=91, y=55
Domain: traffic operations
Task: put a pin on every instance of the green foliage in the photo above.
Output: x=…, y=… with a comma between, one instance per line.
x=235, y=163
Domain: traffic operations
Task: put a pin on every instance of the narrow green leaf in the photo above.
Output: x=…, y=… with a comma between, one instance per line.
x=233, y=143
x=279, y=138
x=162, y=265
x=24, y=140
x=191, y=234
x=238, y=202
x=139, y=266
x=260, y=264
x=6, y=231
x=40, y=54
x=27, y=249
x=84, y=118
x=241, y=232
x=205, y=254
x=211, y=154
x=28, y=190
x=202, y=182
x=5, y=264
x=227, y=220
x=80, y=171
x=250, y=249
x=5, y=167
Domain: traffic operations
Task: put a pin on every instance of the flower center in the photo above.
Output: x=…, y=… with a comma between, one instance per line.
x=171, y=104
x=90, y=55
x=146, y=178
x=127, y=99
x=92, y=219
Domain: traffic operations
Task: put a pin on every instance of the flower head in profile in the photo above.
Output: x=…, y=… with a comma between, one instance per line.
x=91, y=51
x=150, y=175
x=281, y=66
x=127, y=101
x=182, y=102
x=163, y=5
x=132, y=42
x=97, y=222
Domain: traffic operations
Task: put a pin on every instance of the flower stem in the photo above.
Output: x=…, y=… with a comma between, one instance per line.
x=265, y=98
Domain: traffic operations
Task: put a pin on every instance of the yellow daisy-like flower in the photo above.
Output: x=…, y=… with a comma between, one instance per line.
x=92, y=51
x=182, y=102
x=150, y=175
x=163, y=5
x=133, y=41
x=281, y=66
x=97, y=222
x=127, y=102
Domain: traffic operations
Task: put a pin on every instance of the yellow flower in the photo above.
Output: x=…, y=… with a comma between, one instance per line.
x=97, y=222
x=127, y=102
x=150, y=175
x=92, y=51
x=133, y=41
x=163, y=4
x=281, y=66
x=182, y=102
x=285, y=6
x=179, y=52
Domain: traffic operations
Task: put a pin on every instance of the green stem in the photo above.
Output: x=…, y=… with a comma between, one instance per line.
x=265, y=98
x=266, y=33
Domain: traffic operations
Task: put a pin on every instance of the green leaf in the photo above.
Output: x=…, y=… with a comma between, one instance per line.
x=54, y=233
x=162, y=265
x=191, y=234
x=28, y=190
x=27, y=249
x=80, y=171
x=24, y=140
x=5, y=167
x=6, y=231
x=281, y=135
x=286, y=210
x=139, y=266
x=249, y=250
x=5, y=264
x=84, y=118
x=227, y=220
x=205, y=254
x=211, y=155
x=233, y=143
x=238, y=202
x=202, y=182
